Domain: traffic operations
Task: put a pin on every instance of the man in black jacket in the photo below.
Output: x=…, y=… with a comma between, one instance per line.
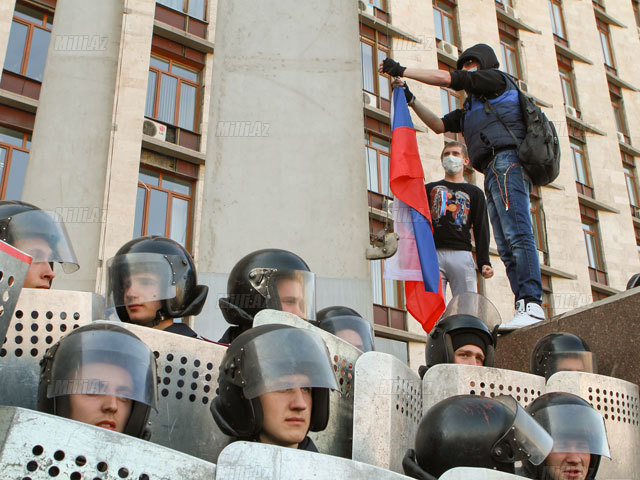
x=493, y=152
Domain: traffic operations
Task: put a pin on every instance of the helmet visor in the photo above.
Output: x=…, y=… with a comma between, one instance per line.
x=475, y=305
x=286, y=358
x=43, y=236
x=575, y=428
x=292, y=291
x=355, y=330
x=137, y=278
x=104, y=362
x=578, y=361
x=532, y=442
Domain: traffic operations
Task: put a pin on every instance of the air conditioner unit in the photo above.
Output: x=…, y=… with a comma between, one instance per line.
x=365, y=7
x=569, y=110
x=448, y=49
x=621, y=138
x=369, y=99
x=154, y=129
x=510, y=11
x=523, y=86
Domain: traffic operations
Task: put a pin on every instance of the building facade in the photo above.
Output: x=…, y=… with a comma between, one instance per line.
x=233, y=126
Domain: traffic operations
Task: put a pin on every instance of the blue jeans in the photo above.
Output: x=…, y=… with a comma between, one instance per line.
x=507, y=188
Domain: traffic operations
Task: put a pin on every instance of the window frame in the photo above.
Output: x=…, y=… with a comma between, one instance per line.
x=451, y=94
x=565, y=70
x=631, y=181
x=555, y=7
x=589, y=218
x=185, y=9
x=538, y=223
x=508, y=35
x=580, y=148
x=454, y=27
x=6, y=170
x=376, y=41
x=604, y=34
x=620, y=119
x=369, y=145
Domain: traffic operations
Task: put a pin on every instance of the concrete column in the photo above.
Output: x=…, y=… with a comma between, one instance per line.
x=285, y=164
x=6, y=17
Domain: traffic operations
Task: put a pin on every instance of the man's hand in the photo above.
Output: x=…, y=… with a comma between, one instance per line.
x=391, y=67
x=410, y=97
x=487, y=271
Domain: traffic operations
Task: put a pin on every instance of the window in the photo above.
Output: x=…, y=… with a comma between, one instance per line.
x=397, y=348
x=605, y=43
x=444, y=21
x=377, y=159
x=593, y=244
x=565, y=67
x=637, y=231
x=374, y=48
x=509, y=49
x=173, y=93
x=28, y=42
x=636, y=11
x=631, y=179
x=193, y=8
x=163, y=206
x=450, y=100
x=14, y=157
x=580, y=169
x=618, y=112
x=538, y=225
x=503, y=3
x=557, y=21
x=547, y=295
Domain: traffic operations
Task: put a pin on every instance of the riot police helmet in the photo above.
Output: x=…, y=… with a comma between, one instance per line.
x=561, y=351
x=151, y=279
x=269, y=278
x=577, y=429
x=265, y=359
x=474, y=431
x=103, y=361
x=346, y=323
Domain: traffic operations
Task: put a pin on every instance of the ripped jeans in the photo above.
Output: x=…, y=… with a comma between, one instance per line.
x=507, y=189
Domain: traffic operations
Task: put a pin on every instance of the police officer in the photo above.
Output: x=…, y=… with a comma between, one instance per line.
x=579, y=437
x=273, y=387
x=347, y=324
x=464, y=334
x=42, y=235
x=270, y=278
x=100, y=374
x=562, y=351
x=151, y=281
x=474, y=431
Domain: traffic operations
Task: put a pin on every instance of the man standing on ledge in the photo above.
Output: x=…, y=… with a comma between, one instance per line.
x=493, y=152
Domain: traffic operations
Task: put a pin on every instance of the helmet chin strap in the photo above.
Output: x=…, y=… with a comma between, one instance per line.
x=157, y=319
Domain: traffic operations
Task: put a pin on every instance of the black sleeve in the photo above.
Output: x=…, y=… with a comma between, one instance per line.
x=453, y=121
x=480, y=225
x=489, y=83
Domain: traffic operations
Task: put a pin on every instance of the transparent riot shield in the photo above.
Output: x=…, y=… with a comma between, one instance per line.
x=36, y=445
x=469, y=473
x=187, y=382
x=258, y=461
x=617, y=401
x=446, y=380
x=336, y=438
x=13, y=269
x=387, y=410
x=40, y=319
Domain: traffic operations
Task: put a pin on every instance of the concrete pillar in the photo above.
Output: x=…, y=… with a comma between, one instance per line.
x=6, y=17
x=285, y=164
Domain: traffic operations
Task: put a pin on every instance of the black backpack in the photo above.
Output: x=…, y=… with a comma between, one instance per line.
x=539, y=152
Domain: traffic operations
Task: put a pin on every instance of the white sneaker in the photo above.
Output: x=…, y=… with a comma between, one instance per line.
x=526, y=315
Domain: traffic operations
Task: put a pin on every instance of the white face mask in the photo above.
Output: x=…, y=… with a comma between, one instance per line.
x=451, y=164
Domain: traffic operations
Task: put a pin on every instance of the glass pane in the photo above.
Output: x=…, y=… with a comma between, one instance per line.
x=151, y=94
x=567, y=92
x=376, y=281
x=160, y=64
x=393, y=347
x=15, y=48
x=17, y=173
x=175, y=4
x=590, y=243
x=35, y=16
x=444, y=101
x=606, y=53
x=366, y=52
x=437, y=23
x=372, y=170
x=12, y=137
x=558, y=27
x=618, y=117
x=167, y=100
x=184, y=72
x=383, y=80
x=137, y=223
x=157, y=220
x=631, y=186
x=384, y=175
x=38, y=53
x=196, y=9
x=187, y=113
x=3, y=159
x=580, y=168
x=176, y=185
x=380, y=144
x=179, y=218
x=448, y=30
x=149, y=177
x=391, y=293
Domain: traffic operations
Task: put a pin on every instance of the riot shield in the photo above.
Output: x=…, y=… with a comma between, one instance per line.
x=258, y=461
x=446, y=380
x=14, y=266
x=40, y=319
x=37, y=445
x=617, y=401
x=336, y=439
x=469, y=473
x=187, y=382
x=387, y=410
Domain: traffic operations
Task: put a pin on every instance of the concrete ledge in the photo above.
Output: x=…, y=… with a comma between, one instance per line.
x=172, y=150
x=606, y=289
x=514, y=22
x=598, y=205
x=386, y=28
x=606, y=18
x=377, y=114
x=402, y=335
x=625, y=147
x=578, y=122
x=572, y=54
x=18, y=101
x=187, y=39
x=620, y=82
x=554, y=272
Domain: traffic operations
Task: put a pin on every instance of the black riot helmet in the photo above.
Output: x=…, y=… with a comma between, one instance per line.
x=469, y=318
x=346, y=323
x=158, y=269
x=561, y=351
x=474, y=431
x=101, y=358
x=574, y=425
x=20, y=222
x=269, y=278
x=265, y=359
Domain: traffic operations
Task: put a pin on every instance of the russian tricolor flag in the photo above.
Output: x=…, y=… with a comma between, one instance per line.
x=416, y=261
